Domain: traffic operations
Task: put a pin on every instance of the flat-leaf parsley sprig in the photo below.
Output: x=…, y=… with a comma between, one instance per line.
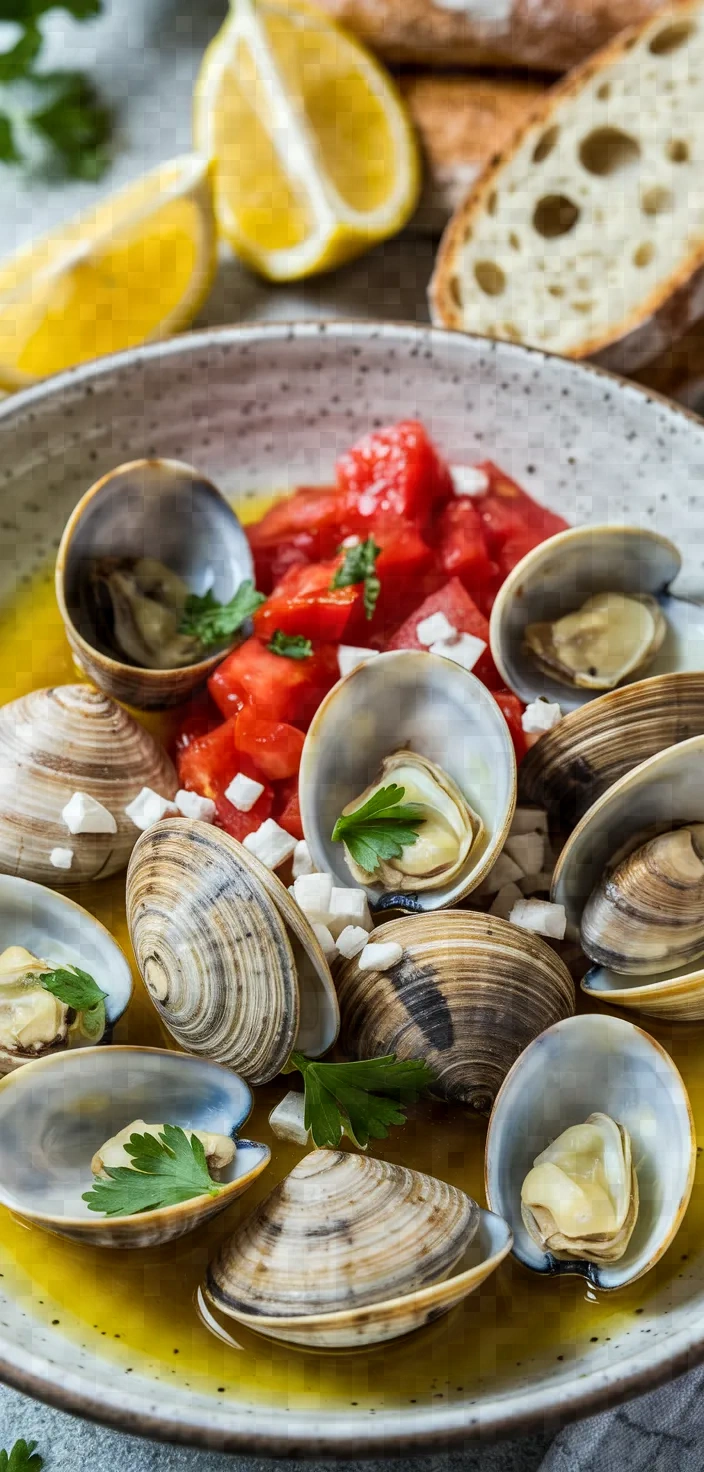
x=166, y=1170
x=23, y=1458
x=77, y=990
x=359, y=566
x=380, y=829
x=362, y=1099
x=290, y=646
x=212, y=622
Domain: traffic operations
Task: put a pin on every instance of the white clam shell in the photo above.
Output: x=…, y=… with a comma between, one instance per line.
x=56, y=1113
x=578, y=1067
x=667, y=791
x=419, y=702
x=562, y=573
x=61, y=932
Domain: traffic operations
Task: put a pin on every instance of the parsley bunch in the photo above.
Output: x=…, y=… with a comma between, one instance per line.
x=166, y=1170
x=214, y=623
x=50, y=122
x=22, y=1458
x=380, y=829
x=359, y=566
x=78, y=990
x=362, y=1099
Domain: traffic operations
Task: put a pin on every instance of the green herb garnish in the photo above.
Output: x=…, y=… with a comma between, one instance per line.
x=22, y=1458
x=346, y=1096
x=78, y=990
x=380, y=829
x=290, y=646
x=50, y=122
x=214, y=622
x=359, y=566
x=167, y=1170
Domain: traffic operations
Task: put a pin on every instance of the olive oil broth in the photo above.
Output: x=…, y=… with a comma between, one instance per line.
x=140, y=1307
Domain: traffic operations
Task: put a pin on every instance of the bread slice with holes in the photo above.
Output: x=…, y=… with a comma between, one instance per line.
x=586, y=236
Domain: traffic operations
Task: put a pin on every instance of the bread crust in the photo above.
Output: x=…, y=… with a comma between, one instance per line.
x=662, y=317
x=549, y=35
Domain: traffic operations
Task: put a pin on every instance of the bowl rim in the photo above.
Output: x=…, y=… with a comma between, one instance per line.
x=396, y=1432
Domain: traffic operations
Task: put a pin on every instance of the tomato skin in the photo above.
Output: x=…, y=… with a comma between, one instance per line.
x=512, y=709
x=396, y=471
x=281, y=689
x=238, y=824
x=461, y=549
x=208, y=766
x=273, y=746
x=513, y=522
x=305, y=603
x=454, y=601
x=287, y=809
x=196, y=717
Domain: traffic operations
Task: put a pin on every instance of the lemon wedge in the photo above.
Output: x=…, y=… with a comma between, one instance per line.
x=135, y=268
x=315, y=155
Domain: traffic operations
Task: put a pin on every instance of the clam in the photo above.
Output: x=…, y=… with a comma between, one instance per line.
x=229, y=960
x=138, y=542
x=56, y=1114
x=428, y=724
x=591, y=608
x=591, y=748
x=468, y=995
x=350, y=1251
x=45, y=926
x=602, y=1104
x=54, y=743
x=628, y=877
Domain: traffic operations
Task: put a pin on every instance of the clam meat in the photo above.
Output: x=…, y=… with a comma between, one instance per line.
x=146, y=602
x=602, y=643
x=443, y=827
x=580, y=1199
x=219, y=1149
x=646, y=914
x=32, y=1020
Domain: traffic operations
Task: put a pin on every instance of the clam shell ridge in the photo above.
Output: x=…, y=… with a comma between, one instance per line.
x=342, y=1231
x=67, y=739
x=212, y=949
x=468, y=995
x=647, y=913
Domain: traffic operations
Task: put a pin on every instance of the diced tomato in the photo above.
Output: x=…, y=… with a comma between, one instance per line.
x=404, y=560
x=306, y=527
x=513, y=521
x=208, y=766
x=281, y=689
x=305, y=603
x=274, y=747
x=238, y=824
x=195, y=718
x=395, y=470
x=287, y=808
x=512, y=709
x=462, y=551
x=454, y=601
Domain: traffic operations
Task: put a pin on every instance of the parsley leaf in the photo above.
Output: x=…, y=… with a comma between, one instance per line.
x=214, y=622
x=380, y=829
x=52, y=123
x=359, y=566
x=22, y=1458
x=362, y=1098
x=78, y=990
x=167, y=1170
x=291, y=646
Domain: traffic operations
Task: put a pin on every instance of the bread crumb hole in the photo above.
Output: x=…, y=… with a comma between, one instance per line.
x=490, y=278
x=607, y=151
x=583, y=307
x=670, y=38
x=677, y=151
x=604, y=92
x=453, y=287
x=510, y=331
x=514, y=241
x=657, y=200
x=545, y=144
x=644, y=254
x=556, y=290
x=491, y=203
x=555, y=215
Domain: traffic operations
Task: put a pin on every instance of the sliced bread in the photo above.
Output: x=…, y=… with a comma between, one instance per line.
x=543, y=35
x=586, y=236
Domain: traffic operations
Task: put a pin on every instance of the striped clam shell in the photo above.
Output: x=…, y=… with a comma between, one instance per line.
x=468, y=995
x=68, y=739
x=647, y=913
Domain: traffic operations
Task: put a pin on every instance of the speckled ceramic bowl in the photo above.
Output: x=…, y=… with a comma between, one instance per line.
x=266, y=406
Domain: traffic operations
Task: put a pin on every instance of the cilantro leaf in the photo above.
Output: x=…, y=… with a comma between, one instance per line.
x=78, y=990
x=363, y=1098
x=380, y=829
x=359, y=566
x=22, y=1458
x=214, y=622
x=166, y=1171
x=291, y=646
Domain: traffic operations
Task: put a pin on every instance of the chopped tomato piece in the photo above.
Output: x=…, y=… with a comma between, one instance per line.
x=512, y=519
x=287, y=809
x=274, y=747
x=305, y=527
x=195, y=718
x=396, y=470
x=512, y=709
x=281, y=689
x=462, y=551
x=305, y=603
x=403, y=561
x=454, y=601
x=208, y=766
x=238, y=824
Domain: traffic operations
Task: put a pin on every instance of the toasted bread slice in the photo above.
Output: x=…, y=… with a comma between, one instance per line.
x=586, y=236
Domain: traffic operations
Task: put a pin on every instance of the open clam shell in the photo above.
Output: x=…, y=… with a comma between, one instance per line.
x=665, y=792
x=230, y=962
x=56, y=1113
x=562, y=573
x=62, y=933
x=591, y=748
x=54, y=743
x=468, y=995
x=350, y=1251
x=582, y=1066
x=414, y=702
x=159, y=509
